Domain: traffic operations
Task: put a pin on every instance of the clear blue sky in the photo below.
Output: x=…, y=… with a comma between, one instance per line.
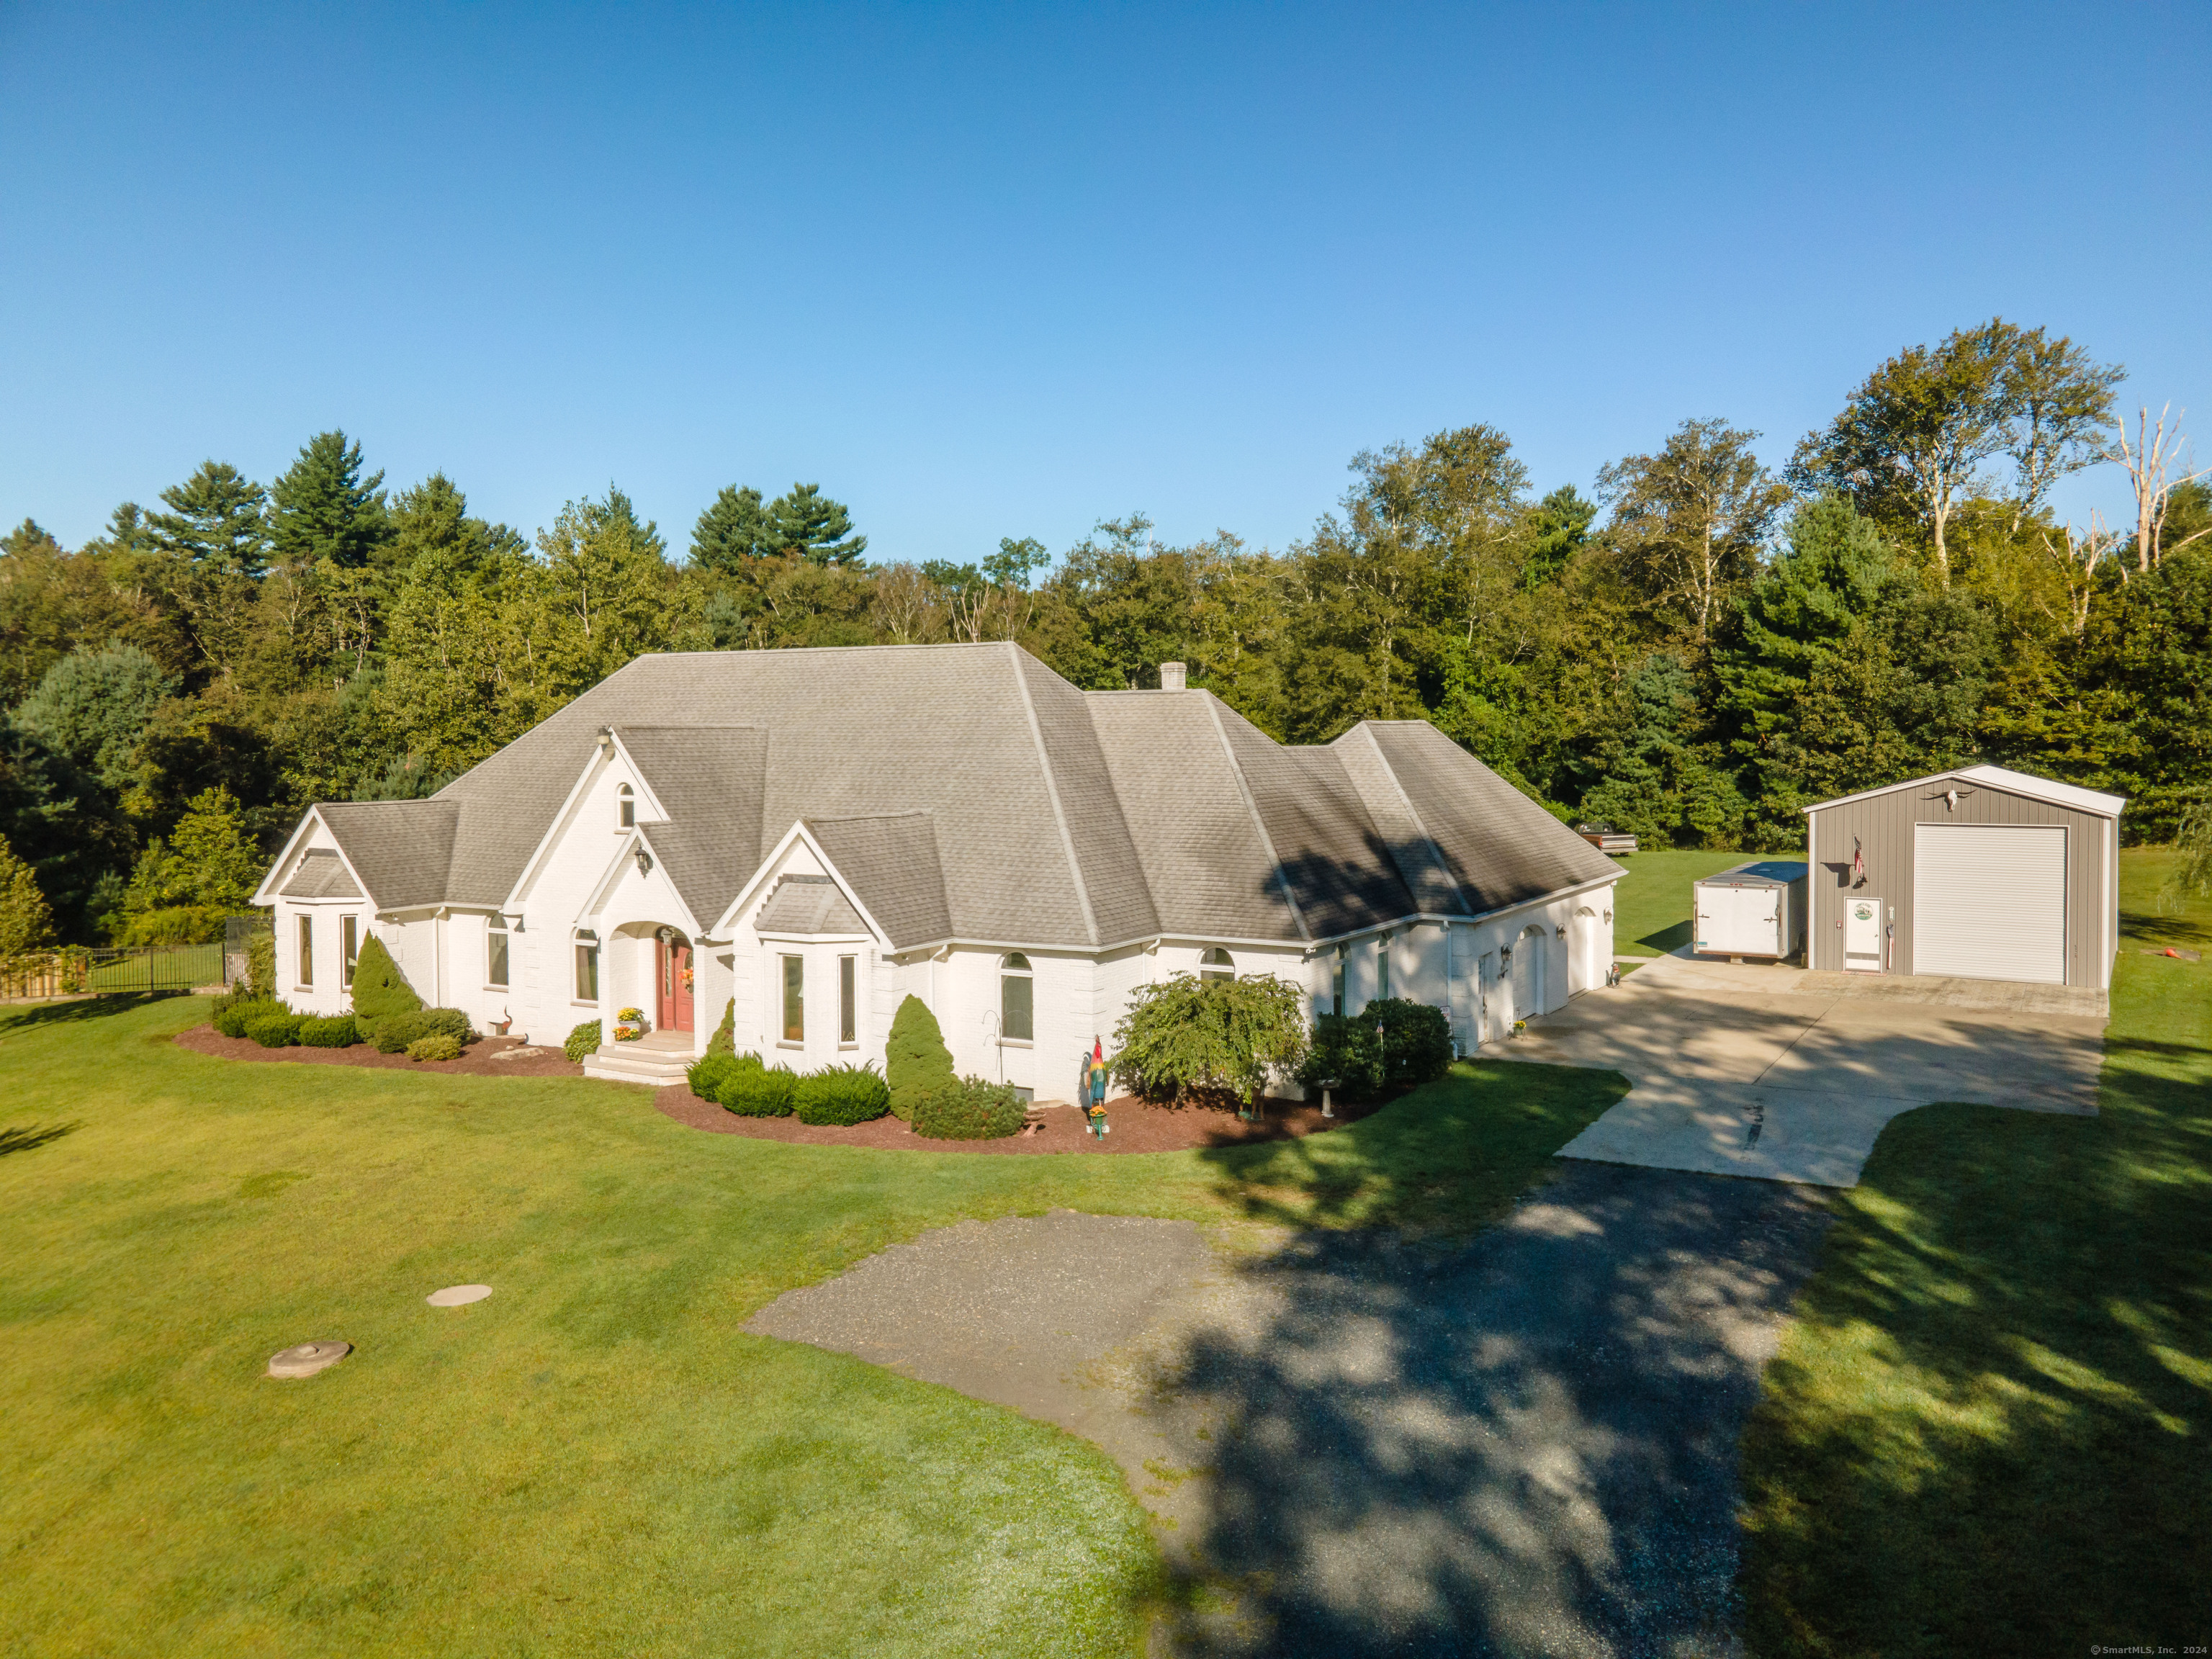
x=985, y=272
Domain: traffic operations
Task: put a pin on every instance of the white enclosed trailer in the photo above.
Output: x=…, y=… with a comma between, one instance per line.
x=1755, y=909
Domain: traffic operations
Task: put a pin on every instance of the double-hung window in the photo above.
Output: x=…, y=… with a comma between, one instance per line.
x=495, y=954
x=626, y=808
x=1017, y=1000
x=307, y=950
x=848, y=1013
x=794, y=999
x=1383, y=969
x=1336, y=984
x=587, y=967
x=1216, y=965
x=348, y=949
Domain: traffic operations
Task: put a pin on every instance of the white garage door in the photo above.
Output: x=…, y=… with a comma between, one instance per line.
x=1989, y=901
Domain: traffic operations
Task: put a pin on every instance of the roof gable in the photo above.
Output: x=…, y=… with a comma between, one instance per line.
x=1999, y=777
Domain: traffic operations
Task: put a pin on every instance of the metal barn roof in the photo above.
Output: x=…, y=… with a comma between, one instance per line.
x=1998, y=777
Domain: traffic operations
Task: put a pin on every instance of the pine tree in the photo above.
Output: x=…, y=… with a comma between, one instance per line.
x=321, y=508
x=818, y=530
x=26, y=921
x=734, y=529
x=92, y=705
x=215, y=521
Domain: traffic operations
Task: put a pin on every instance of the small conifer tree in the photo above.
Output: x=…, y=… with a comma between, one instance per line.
x=380, y=989
x=917, y=1062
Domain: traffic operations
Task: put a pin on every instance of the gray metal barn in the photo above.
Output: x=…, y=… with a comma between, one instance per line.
x=1979, y=873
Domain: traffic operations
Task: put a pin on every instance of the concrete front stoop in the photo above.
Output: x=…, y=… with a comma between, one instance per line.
x=657, y=1058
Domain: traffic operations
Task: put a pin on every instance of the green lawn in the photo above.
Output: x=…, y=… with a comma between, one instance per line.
x=1651, y=908
x=1990, y=1429
x=596, y=1460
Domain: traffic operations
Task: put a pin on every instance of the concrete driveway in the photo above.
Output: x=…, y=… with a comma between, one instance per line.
x=1525, y=1444
x=1773, y=1071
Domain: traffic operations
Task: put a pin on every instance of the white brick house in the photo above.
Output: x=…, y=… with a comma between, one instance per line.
x=809, y=836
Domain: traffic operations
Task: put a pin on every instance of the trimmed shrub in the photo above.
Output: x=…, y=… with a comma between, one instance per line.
x=1417, y=1045
x=380, y=991
x=725, y=1040
x=232, y=1013
x=391, y=1034
x=917, y=1062
x=841, y=1094
x=274, y=1030
x=584, y=1040
x=338, y=1031
x=439, y=1045
x=1346, y=1056
x=759, y=1091
x=969, y=1110
x=708, y=1075
x=449, y=1022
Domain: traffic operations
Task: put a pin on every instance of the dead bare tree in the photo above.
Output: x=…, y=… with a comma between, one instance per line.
x=2078, y=561
x=2150, y=463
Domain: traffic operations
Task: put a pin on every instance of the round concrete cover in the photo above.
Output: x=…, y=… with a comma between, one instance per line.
x=308, y=1358
x=457, y=1295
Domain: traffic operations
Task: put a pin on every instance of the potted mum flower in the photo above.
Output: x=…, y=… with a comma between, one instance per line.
x=629, y=1025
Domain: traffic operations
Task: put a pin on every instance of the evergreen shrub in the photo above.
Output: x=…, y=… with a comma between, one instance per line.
x=338, y=1031
x=970, y=1108
x=584, y=1040
x=917, y=1062
x=1417, y=1045
x=759, y=1091
x=841, y=1094
x=725, y=1040
x=231, y=1012
x=709, y=1074
x=274, y=1030
x=395, y=1033
x=438, y=1045
x=1346, y=1056
x=380, y=992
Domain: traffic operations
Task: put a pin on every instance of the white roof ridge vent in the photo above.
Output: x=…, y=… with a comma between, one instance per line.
x=1171, y=676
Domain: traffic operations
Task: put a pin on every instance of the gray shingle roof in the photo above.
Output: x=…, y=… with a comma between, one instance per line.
x=404, y=849
x=969, y=792
x=891, y=862
x=809, y=904
x=322, y=874
x=709, y=778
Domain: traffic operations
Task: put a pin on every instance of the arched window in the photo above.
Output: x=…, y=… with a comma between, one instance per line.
x=626, y=806
x=1215, y=965
x=1017, y=1000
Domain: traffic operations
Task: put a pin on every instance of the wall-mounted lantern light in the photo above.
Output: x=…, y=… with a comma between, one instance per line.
x=644, y=862
x=1559, y=932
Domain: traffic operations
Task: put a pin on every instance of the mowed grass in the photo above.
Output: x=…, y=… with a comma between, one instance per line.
x=1653, y=907
x=1990, y=1429
x=598, y=1460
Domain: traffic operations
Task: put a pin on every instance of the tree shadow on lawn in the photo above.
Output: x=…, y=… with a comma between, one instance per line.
x=1446, y=1158
x=1987, y=1433
x=106, y=1005
x=1524, y=1444
x=30, y=1139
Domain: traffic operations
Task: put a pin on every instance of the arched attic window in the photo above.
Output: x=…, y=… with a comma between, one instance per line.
x=626, y=804
x=1215, y=965
x=1017, y=999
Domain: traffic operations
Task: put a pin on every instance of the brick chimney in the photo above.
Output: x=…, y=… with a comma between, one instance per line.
x=1171, y=676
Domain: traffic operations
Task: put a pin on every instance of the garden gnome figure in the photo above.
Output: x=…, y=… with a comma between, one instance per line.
x=1098, y=1081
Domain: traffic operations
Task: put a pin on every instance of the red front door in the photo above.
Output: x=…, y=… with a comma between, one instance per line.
x=675, y=985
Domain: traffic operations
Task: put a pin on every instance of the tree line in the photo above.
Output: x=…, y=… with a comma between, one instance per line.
x=1690, y=652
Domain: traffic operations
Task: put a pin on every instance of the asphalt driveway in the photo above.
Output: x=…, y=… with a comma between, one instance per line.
x=1767, y=1071
x=1525, y=1444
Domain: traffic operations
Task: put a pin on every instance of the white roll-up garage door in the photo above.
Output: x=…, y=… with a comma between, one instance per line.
x=1989, y=901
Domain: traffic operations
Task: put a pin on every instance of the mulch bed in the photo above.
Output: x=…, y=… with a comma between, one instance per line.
x=1137, y=1128
x=479, y=1059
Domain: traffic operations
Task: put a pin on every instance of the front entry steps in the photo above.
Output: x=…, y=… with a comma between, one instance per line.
x=657, y=1058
